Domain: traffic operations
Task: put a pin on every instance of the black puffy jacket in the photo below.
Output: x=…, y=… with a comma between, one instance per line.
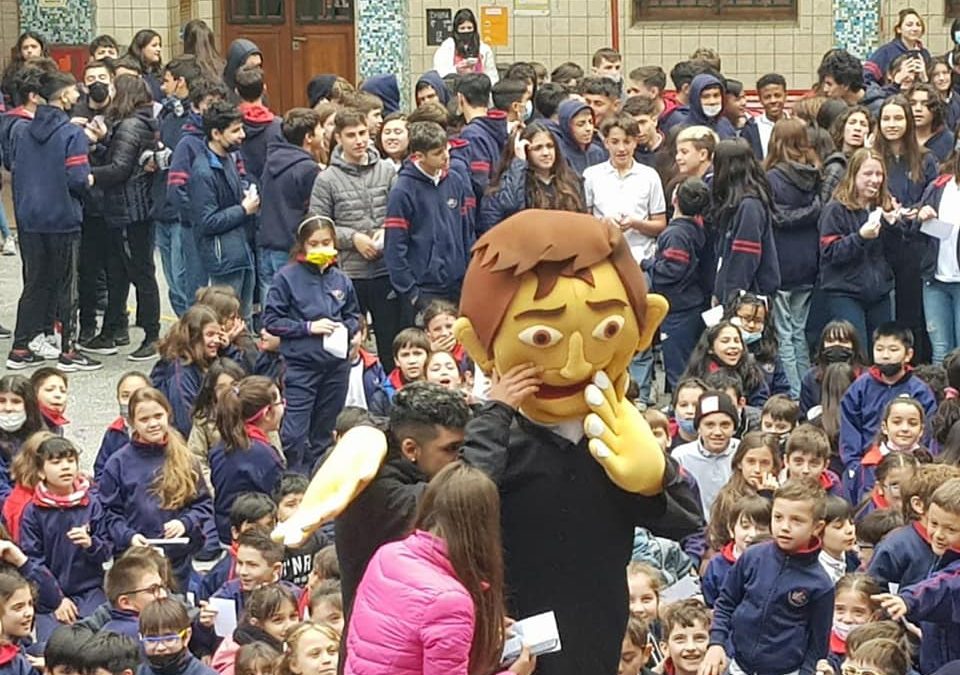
x=126, y=186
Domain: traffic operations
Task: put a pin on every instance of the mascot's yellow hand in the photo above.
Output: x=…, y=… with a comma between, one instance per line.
x=347, y=471
x=621, y=440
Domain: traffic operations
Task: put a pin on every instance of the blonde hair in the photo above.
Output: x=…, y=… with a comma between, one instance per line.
x=23, y=466
x=704, y=138
x=636, y=567
x=178, y=480
x=293, y=641
x=846, y=192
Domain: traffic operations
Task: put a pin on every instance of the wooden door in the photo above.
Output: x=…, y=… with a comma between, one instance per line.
x=298, y=38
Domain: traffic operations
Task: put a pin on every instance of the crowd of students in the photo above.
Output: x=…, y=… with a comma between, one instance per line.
x=822, y=465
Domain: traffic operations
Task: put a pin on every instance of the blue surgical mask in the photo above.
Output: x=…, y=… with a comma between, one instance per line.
x=527, y=111
x=750, y=338
x=687, y=427
x=956, y=37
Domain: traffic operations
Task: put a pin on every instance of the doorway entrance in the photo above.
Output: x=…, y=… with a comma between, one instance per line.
x=298, y=39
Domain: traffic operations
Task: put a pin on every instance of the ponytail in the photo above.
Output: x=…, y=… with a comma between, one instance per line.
x=243, y=403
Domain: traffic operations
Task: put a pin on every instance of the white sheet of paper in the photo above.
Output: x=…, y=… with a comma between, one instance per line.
x=893, y=587
x=539, y=633
x=337, y=343
x=712, y=316
x=687, y=587
x=175, y=541
x=937, y=228
x=226, y=621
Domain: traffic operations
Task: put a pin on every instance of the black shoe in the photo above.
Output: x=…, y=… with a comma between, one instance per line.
x=122, y=339
x=86, y=336
x=145, y=351
x=71, y=361
x=5, y=333
x=18, y=359
x=101, y=344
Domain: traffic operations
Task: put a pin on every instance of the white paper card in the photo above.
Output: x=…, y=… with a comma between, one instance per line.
x=687, y=587
x=893, y=587
x=226, y=621
x=539, y=633
x=337, y=342
x=712, y=316
x=175, y=541
x=939, y=229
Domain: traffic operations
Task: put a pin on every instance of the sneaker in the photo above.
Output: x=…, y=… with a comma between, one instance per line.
x=145, y=351
x=9, y=248
x=18, y=359
x=42, y=348
x=86, y=335
x=122, y=339
x=101, y=344
x=71, y=361
x=5, y=333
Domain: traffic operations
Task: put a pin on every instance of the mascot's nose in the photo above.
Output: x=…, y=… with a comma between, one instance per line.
x=576, y=369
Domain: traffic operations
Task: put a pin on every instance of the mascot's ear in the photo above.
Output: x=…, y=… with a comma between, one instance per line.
x=657, y=307
x=467, y=336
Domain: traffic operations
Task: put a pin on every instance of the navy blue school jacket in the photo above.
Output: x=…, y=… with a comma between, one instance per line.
x=285, y=184
x=220, y=225
x=254, y=469
x=192, y=142
x=578, y=157
x=49, y=596
x=173, y=119
x=14, y=662
x=875, y=67
x=428, y=232
x=907, y=190
x=43, y=538
x=940, y=144
x=189, y=665
x=773, y=372
x=123, y=623
x=903, y=557
x=52, y=174
x=180, y=383
x=261, y=128
x=675, y=268
x=931, y=245
x=433, y=79
x=115, y=437
x=12, y=125
x=935, y=603
x=716, y=573
x=748, y=252
x=232, y=590
x=221, y=573
x=952, y=116
x=301, y=292
x=488, y=137
x=751, y=134
x=130, y=507
x=385, y=88
x=795, y=189
x=695, y=115
x=849, y=264
x=775, y=610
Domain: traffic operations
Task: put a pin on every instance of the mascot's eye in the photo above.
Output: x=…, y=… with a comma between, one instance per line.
x=609, y=328
x=540, y=336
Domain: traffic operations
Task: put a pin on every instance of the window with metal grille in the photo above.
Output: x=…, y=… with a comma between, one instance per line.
x=717, y=10
x=255, y=11
x=324, y=11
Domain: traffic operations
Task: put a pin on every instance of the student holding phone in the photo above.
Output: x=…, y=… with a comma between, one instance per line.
x=463, y=52
x=907, y=39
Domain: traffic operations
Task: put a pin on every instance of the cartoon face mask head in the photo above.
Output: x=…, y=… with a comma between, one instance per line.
x=570, y=298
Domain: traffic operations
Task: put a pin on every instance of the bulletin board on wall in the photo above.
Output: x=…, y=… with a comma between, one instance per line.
x=494, y=25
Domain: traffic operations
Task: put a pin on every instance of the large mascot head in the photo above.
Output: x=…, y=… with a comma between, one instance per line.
x=561, y=290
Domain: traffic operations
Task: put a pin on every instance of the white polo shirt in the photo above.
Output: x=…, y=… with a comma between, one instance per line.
x=636, y=193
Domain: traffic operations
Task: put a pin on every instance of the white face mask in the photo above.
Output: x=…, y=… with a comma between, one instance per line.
x=12, y=421
x=712, y=110
x=842, y=629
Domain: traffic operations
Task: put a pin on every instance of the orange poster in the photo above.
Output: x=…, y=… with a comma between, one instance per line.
x=494, y=29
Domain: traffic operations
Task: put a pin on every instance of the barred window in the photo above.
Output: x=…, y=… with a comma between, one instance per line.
x=322, y=11
x=255, y=11
x=718, y=10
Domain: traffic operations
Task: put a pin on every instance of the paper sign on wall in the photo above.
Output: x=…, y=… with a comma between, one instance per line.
x=494, y=28
x=531, y=7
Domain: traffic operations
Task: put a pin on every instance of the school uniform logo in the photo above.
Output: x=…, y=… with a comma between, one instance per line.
x=451, y=203
x=798, y=598
x=338, y=294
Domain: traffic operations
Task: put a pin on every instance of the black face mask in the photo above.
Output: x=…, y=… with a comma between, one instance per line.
x=889, y=369
x=168, y=664
x=467, y=44
x=99, y=92
x=837, y=354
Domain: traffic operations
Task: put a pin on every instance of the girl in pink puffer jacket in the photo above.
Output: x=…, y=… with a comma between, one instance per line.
x=432, y=604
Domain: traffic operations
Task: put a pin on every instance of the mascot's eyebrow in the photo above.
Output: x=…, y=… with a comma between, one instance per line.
x=544, y=313
x=604, y=305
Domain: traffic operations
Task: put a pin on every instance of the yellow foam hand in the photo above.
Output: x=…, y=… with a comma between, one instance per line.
x=351, y=466
x=621, y=440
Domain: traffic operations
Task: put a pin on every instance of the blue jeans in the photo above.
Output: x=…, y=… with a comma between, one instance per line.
x=242, y=282
x=4, y=227
x=269, y=262
x=865, y=317
x=641, y=372
x=169, y=238
x=791, y=309
x=941, y=304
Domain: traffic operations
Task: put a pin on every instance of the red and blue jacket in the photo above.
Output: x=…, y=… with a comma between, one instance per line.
x=487, y=136
x=748, y=252
x=115, y=437
x=849, y=264
x=903, y=557
x=192, y=142
x=935, y=603
x=796, y=195
x=675, y=268
x=775, y=610
x=716, y=574
x=180, y=383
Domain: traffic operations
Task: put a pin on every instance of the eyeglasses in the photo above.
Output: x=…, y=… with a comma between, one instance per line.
x=848, y=669
x=171, y=640
x=155, y=590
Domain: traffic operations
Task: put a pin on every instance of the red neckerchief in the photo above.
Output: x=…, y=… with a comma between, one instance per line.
x=255, y=433
x=921, y=530
x=42, y=496
x=8, y=652
x=872, y=456
x=878, y=500
x=118, y=424
x=232, y=572
x=54, y=417
x=727, y=552
x=396, y=379
x=837, y=644
x=826, y=480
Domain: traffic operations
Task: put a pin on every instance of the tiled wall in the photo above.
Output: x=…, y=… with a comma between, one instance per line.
x=937, y=39
x=9, y=28
x=382, y=40
x=71, y=24
x=123, y=18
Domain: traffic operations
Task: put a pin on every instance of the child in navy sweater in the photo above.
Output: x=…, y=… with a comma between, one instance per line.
x=429, y=224
x=245, y=460
x=753, y=314
x=721, y=349
x=131, y=583
x=117, y=434
x=311, y=306
x=853, y=606
x=17, y=614
x=153, y=488
x=749, y=517
x=165, y=634
x=892, y=473
x=19, y=419
x=839, y=539
x=675, y=273
x=901, y=430
x=775, y=609
x=807, y=453
x=62, y=529
x=50, y=386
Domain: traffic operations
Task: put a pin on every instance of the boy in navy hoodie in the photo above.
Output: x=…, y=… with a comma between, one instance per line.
x=62, y=529
x=130, y=584
x=288, y=175
x=707, y=94
x=51, y=179
x=863, y=404
x=486, y=130
x=429, y=224
x=775, y=610
x=579, y=144
x=935, y=602
x=260, y=126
